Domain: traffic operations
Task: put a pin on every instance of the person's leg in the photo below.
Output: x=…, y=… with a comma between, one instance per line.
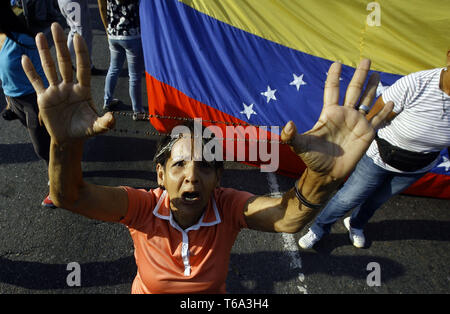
x=117, y=55
x=17, y=108
x=76, y=13
x=37, y=131
x=27, y=110
x=41, y=142
x=364, y=180
x=135, y=60
x=67, y=10
x=85, y=26
x=395, y=184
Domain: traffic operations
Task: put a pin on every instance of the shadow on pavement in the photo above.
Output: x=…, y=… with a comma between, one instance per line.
x=100, y=148
x=392, y=230
x=249, y=273
x=136, y=174
x=117, y=148
x=17, y=153
x=388, y=231
x=257, y=272
x=41, y=276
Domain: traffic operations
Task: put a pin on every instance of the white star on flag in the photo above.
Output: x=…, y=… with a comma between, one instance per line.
x=248, y=110
x=269, y=94
x=298, y=81
x=445, y=163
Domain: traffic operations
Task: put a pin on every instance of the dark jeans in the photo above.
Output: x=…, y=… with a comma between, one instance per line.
x=26, y=108
x=366, y=190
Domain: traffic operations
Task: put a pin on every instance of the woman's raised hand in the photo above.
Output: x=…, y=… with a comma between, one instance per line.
x=342, y=134
x=66, y=107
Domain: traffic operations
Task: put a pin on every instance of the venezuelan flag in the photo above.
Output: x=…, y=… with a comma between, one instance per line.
x=264, y=62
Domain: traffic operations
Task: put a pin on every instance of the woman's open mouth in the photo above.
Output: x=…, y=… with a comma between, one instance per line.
x=190, y=196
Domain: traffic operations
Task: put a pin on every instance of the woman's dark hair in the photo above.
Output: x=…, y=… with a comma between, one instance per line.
x=11, y=23
x=164, y=148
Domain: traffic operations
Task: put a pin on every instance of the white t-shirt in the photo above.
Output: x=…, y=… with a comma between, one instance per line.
x=422, y=123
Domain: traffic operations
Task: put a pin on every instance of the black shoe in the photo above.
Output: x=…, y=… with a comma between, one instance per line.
x=110, y=107
x=139, y=116
x=9, y=115
x=95, y=71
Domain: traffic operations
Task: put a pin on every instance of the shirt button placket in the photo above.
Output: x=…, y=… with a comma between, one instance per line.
x=185, y=254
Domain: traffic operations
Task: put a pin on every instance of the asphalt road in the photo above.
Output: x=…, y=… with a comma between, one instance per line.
x=409, y=236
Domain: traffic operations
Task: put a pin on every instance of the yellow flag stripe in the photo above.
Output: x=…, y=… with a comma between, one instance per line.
x=400, y=36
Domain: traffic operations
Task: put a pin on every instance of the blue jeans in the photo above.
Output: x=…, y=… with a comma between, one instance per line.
x=366, y=190
x=132, y=50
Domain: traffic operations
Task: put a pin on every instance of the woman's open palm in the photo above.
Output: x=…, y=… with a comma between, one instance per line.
x=342, y=134
x=66, y=107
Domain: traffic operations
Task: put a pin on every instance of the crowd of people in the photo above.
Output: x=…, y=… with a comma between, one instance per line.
x=184, y=229
x=19, y=26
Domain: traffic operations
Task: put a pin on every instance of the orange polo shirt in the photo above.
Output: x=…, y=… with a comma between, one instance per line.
x=172, y=260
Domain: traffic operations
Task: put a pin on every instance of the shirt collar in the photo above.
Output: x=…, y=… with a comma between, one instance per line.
x=209, y=218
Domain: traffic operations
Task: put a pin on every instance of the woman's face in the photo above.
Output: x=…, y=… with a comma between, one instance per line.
x=188, y=181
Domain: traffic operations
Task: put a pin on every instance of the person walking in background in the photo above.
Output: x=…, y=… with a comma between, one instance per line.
x=76, y=13
x=121, y=21
x=17, y=40
x=402, y=152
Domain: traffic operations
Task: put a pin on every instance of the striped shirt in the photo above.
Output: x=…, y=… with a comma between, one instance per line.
x=422, y=123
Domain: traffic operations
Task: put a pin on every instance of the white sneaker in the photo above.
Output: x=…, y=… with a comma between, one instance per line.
x=356, y=235
x=308, y=240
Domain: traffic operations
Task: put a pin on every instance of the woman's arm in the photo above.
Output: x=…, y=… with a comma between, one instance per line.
x=102, y=9
x=330, y=151
x=68, y=190
x=67, y=110
x=287, y=213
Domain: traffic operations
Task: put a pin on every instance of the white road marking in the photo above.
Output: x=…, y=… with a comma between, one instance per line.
x=289, y=242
